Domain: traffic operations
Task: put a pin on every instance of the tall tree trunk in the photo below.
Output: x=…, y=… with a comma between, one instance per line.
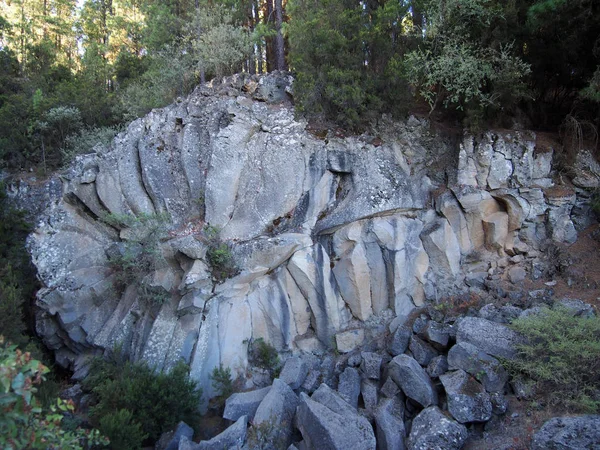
x=270, y=47
x=279, y=42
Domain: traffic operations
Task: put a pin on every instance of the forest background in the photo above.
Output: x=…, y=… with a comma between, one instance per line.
x=73, y=73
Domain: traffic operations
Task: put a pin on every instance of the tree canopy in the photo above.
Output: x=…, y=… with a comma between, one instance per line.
x=71, y=71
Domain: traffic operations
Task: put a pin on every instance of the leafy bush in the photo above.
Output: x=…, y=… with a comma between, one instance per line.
x=86, y=139
x=561, y=356
x=124, y=432
x=22, y=422
x=156, y=401
x=223, y=384
x=140, y=255
x=265, y=355
x=17, y=280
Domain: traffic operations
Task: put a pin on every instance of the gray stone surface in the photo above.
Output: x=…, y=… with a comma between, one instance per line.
x=413, y=380
x=294, y=372
x=432, y=430
x=369, y=392
x=389, y=389
x=349, y=386
x=371, y=365
x=485, y=368
x=437, y=334
x=233, y=437
x=332, y=426
x=278, y=408
x=437, y=366
x=327, y=234
x=244, y=404
x=467, y=399
x=561, y=433
x=171, y=439
x=389, y=424
x=421, y=351
x=516, y=274
x=492, y=338
x=349, y=340
x=399, y=340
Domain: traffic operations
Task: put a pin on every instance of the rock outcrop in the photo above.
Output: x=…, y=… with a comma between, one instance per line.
x=329, y=235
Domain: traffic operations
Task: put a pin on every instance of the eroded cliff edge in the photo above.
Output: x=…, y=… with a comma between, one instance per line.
x=329, y=234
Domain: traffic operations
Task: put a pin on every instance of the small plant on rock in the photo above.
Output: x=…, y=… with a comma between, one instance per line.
x=223, y=384
x=265, y=356
x=218, y=255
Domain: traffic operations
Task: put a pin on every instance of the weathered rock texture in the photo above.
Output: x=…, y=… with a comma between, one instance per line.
x=327, y=233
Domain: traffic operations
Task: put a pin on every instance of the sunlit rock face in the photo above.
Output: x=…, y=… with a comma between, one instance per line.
x=327, y=232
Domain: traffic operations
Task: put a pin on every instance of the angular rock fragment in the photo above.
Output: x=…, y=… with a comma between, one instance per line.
x=399, y=341
x=492, y=338
x=331, y=427
x=294, y=372
x=233, y=437
x=349, y=386
x=413, y=380
x=389, y=420
x=244, y=404
x=371, y=365
x=485, y=368
x=568, y=433
x=421, y=351
x=467, y=399
x=432, y=430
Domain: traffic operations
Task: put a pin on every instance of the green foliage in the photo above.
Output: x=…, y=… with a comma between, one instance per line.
x=218, y=255
x=562, y=357
x=342, y=56
x=219, y=46
x=264, y=355
x=459, y=66
x=16, y=275
x=23, y=424
x=124, y=432
x=223, y=384
x=136, y=258
x=156, y=401
x=86, y=139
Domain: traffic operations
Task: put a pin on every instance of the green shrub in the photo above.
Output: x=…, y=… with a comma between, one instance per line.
x=23, y=424
x=264, y=355
x=86, y=139
x=561, y=355
x=140, y=255
x=223, y=384
x=156, y=401
x=124, y=432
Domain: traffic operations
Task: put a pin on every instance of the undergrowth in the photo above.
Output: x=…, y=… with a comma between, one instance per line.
x=561, y=357
x=135, y=400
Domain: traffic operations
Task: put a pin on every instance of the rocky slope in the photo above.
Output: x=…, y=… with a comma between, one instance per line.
x=332, y=236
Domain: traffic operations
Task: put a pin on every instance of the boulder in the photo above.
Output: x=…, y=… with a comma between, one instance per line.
x=244, y=404
x=233, y=437
x=516, y=274
x=492, y=338
x=467, y=399
x=436, y=334
x=171, y=439
x=398, y=342
x=413, y=380
x=421, y=351
x=277, y=411
x=432, y=430
x=328, y=427
x=437, y=366
x=368, y=391
x=389, y=424
x=349, y=386
x=371, y=365
x=560, y=433
x=389, y=388
x=485, y=368
x=349, y=340
x=294, y=372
